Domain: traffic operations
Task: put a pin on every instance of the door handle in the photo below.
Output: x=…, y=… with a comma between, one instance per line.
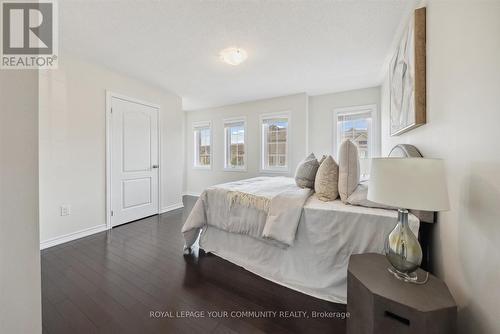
x=155, y=166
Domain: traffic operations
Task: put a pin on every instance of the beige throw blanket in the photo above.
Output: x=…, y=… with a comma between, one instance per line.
x=262, y=207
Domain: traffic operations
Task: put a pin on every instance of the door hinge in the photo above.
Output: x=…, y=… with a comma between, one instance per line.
x=112, y=213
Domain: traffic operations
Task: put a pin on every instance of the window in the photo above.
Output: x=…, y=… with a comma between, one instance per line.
x=356, y=124
x=202, y=145
x=275, y=136
x=235, y=144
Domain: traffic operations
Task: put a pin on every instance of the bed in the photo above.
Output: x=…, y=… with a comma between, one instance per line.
x=284, y=233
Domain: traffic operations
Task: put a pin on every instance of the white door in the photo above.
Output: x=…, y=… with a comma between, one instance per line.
x=134, y=161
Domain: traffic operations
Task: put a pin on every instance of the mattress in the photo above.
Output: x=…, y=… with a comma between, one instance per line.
x=316, y=264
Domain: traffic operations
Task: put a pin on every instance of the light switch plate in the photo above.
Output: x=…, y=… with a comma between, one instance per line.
x=65, y=210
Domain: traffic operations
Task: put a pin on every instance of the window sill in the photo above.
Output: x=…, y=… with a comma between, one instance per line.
x=275, y=171
x=231, y=169
x=208, y=168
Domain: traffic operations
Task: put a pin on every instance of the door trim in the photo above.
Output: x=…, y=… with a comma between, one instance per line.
x=109, y=96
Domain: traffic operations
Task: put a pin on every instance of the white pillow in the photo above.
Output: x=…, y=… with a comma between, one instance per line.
x=327, y=179
x=348, y=169
x=306, y=172
x=359, y=197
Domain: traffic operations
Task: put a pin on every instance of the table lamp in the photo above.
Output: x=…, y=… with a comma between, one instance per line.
x=407, y=183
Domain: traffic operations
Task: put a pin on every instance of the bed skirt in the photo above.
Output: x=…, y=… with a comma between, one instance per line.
x=274, y=264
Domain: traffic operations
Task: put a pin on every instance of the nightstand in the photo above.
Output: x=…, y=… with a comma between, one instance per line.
x=379, y=303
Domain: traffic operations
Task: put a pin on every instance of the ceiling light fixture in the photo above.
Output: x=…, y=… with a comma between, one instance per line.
x=233, y=56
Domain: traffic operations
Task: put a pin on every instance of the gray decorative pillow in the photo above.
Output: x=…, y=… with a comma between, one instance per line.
x=348, y=169
x=326, y=183
x=306, y=172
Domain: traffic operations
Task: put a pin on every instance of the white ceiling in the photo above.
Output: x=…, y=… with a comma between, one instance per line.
x=293, y=46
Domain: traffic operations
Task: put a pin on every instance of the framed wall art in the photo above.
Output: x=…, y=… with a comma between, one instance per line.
x=407, y=77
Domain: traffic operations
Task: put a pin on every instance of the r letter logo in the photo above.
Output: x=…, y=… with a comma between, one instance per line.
x=29, y=34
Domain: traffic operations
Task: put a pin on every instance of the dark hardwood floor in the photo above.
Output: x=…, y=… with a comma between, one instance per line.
x=111, y=282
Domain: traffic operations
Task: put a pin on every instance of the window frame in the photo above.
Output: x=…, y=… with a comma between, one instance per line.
x=263, y=144
x=229, y=121
x=373, y=130
x=196, y=126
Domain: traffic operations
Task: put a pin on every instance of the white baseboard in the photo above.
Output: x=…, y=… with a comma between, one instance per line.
x=72, y=236
x=172, y=207
x=190, y=193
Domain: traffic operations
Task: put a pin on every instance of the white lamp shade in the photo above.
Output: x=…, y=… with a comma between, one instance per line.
x=409, y=183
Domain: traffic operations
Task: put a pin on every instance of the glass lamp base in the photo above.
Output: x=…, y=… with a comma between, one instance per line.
x=402, y=248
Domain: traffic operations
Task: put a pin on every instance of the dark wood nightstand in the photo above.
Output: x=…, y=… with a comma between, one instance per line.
x=379, y=303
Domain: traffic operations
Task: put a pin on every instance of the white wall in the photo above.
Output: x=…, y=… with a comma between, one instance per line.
x=312, y=130
x=321, y=108
x=197, y=180
x=463, y=112
x=20, y=296
x=72, y=143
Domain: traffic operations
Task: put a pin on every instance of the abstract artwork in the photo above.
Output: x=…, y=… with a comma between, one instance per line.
x=407, y=78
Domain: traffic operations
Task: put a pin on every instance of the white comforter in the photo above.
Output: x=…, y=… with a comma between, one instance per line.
x=276, y=206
